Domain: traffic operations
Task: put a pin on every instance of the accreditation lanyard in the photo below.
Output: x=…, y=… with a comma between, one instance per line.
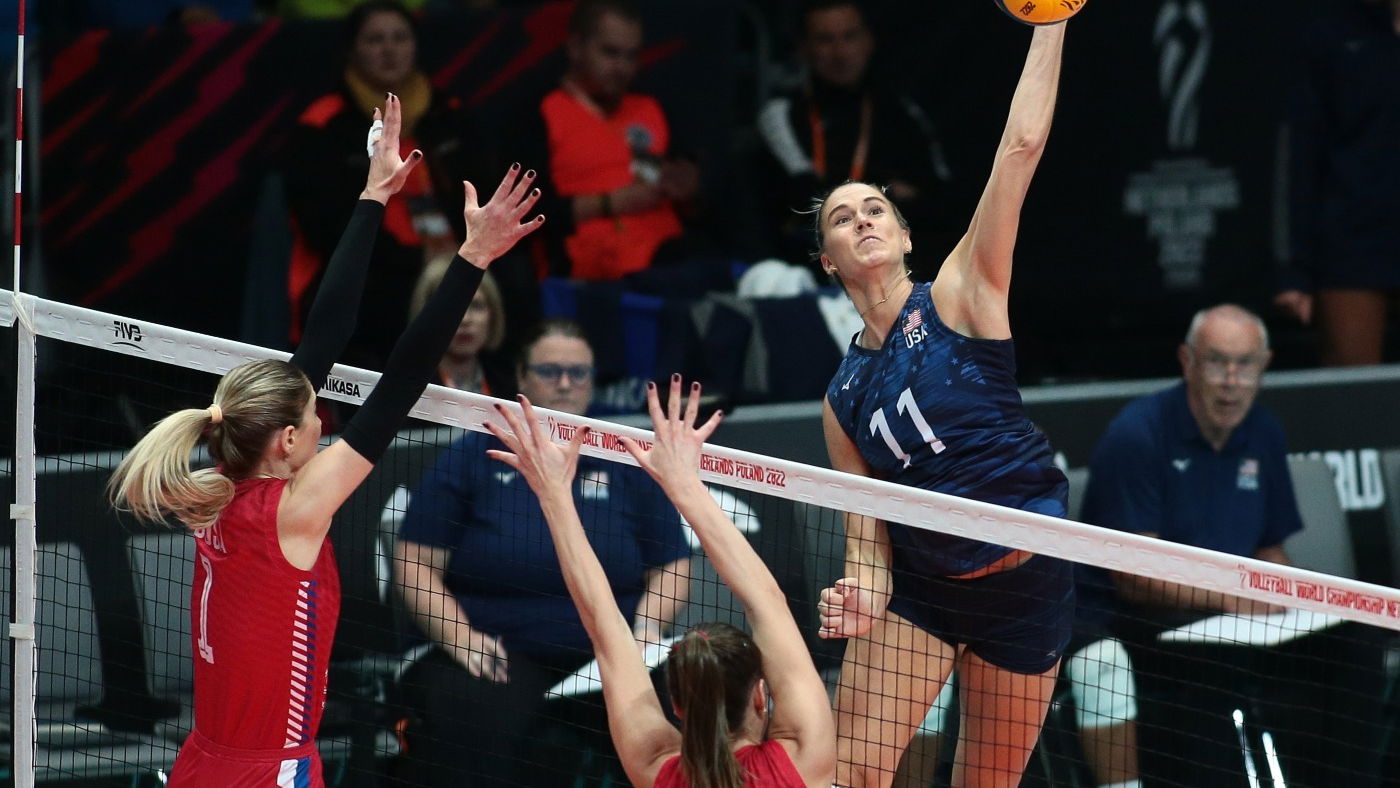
x=858, y=156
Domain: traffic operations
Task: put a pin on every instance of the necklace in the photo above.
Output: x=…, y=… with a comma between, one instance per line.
x=871, y=308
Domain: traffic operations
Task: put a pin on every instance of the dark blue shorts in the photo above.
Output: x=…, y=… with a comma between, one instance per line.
x=1019, y=620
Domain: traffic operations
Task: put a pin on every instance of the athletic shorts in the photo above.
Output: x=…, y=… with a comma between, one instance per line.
x=1019, y=620
x=204, y=764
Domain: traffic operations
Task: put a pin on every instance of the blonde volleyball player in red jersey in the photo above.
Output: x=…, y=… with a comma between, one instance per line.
x=719, y=678
x=266, y=592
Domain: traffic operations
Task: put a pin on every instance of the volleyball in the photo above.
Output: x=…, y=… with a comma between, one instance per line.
x=1041, y=12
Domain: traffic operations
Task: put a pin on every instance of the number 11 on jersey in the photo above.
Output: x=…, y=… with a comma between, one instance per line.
x=905, y=406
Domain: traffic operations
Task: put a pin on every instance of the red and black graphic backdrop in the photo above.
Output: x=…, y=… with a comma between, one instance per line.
x=1159, y=191
x=154, y=143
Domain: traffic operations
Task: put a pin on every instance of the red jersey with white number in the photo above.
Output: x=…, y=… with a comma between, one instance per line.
x=765, y=765
x=262, y=628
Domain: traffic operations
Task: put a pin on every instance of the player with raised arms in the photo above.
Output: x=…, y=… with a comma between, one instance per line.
x=266, y=593
x=720, y=679
x=927, y=397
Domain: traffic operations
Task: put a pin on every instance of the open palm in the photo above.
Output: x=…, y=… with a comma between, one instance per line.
x=387, y=171
x=493, y=228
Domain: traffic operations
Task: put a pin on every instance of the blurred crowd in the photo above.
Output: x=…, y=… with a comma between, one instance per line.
x=637, y=225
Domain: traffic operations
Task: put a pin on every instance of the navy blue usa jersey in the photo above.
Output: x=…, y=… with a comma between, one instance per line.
x=940, y=411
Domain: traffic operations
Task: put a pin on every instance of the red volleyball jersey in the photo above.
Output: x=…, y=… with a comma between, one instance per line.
x=262, y=628
x=765, y=765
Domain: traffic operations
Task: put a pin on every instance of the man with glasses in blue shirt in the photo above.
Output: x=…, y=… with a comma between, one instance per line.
x=478, y=574
x=1200, y=463
x=1203, y=464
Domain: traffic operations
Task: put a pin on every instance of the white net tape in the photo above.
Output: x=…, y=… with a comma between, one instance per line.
x=1299, y=589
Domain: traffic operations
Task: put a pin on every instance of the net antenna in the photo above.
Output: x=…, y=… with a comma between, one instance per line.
x=21, y=633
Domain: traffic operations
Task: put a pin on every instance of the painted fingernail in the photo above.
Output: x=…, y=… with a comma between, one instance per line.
x=515, y=166
x=651, y=385
x=676, y=377
x=529, y=173
x=418, y=154
x=519, y=397
x=534, y=192
x=695, y=386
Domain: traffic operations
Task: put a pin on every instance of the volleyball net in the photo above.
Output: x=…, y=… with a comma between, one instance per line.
x=459, y=660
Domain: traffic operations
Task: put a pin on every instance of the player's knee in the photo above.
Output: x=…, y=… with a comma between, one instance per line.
x=1101, y=680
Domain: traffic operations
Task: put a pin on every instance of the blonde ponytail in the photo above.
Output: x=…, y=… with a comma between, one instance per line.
x=252, y=403
x=155, y=479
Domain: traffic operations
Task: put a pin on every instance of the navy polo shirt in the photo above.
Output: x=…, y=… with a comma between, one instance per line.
x=503, y=569
x=1153, y=472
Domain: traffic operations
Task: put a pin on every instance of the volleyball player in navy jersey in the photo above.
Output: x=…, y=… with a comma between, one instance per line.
x=266, y=592
x=927, y=397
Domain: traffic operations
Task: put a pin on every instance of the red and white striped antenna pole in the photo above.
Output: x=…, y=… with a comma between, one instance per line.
x=21, y=632
x=19, y=136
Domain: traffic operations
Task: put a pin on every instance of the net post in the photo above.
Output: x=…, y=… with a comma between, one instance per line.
x=21, y=634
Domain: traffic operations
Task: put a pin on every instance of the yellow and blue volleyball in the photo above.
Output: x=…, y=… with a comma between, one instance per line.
x=1041, y=12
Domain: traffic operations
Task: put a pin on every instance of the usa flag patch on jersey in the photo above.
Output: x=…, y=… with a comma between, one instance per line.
x=914, y=329
x=913, y=320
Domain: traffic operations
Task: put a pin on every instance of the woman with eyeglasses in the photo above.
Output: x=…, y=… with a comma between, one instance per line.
x=479, y=575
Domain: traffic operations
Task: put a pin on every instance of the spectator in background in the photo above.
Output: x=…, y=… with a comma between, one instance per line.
x=1198, y=464
x=327, y=148
x=617, y=190
x=478, y=573
x=1345, y=180
x=1202, y=464
x=472, y=361
x=842, y=125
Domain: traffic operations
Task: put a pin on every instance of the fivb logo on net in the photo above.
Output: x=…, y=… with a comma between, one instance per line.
x=127, y=334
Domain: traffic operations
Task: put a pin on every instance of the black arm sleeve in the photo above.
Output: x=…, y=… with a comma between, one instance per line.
x=332, y=319
x=412, y=362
